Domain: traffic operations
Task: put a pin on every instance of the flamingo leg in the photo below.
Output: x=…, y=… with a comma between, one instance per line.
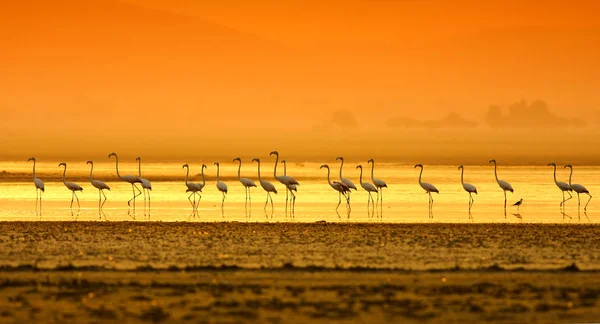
x=272, y=206
x=286, y=199
x=144, y=190
x=340, y=200
x=190, y=199
x=99, y=198
x=563, y=200
x=504, y=199
x=102, y=206
x=584, y=208
x=570, y=196
x=381, y=199
x=40, y=202
x=267, y=201
x=78, y=205
x=223, y=201
x=72, y=197
x=148, y=203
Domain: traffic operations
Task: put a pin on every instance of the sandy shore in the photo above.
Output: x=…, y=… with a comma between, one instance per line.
x=230, y=272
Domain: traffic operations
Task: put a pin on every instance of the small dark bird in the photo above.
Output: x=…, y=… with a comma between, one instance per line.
x=518, y=204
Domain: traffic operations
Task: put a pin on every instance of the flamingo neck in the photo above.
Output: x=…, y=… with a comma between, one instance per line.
x=275, y=167
x=341, y=167
x=462, y=174
x=328, y=177
x=555, y=176
x=34, y=169
x=360, y=180
x=284, y=168
x=91, y=170
x=64, y=174
x=140, y=167
x=218, y=177
x=117, y=166
x=239, y=170
x=496, y=172
x=187, y=175
x=203, y=178
x=259, y=179
x=373, y=170
x=570, y=176
x=420, y=174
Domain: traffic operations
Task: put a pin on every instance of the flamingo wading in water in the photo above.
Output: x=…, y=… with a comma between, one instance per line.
x=221, y=186
x=247, y=183
x=468, y=187
x=192, y=187
x=146, y=185
x=369, y=188
x=129, y=179
x=98, y=185
x=344, y=180
x=579, y=189
x=70, y=185
x=428, y=187
x=286, y=180
x=267, y=186
x=564, y=187
x=379, y=184
x=340, y=187
x=39, y=186
x=505, y=186
x=291, y=187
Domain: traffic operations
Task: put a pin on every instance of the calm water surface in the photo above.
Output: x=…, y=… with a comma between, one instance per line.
x=403, y=201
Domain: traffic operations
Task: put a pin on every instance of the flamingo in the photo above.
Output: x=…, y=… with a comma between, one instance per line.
x=221, y=186
x=564, y=187
x=70, y=185
x=428, y=187
x=379, y=184
x=39, y=185
x=468, y=187
x=579, y=189
x=247, y=183
x=369, y=188
x=291, y=187
x=98, y=185
x=340, y=187
x=192, y=187
x=505, y=186
x=146, y=185
x=267, y=186
x=129, y=179
x=286, y=180
x=344, y=180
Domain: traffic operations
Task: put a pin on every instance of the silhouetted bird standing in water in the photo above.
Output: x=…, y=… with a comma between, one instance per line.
x=518, y=204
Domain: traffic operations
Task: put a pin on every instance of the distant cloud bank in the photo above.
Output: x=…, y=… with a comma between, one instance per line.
x=452, y=120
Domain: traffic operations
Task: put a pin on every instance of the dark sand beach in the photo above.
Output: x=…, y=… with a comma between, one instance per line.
x=95, y=272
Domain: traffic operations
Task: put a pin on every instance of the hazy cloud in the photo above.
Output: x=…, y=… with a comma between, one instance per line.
x=534, y=115
x=452, y=120
x=341, y=119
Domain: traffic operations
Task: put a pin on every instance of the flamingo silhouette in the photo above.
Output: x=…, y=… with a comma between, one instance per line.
x=579, y=189
x=379, y=184
x=247, y=183
x=468, y=187
x=146, y=185
x=101, y=186
x=428, y=187
x=70, y=185
x=129, y=179
x=267, y=186
x=192, y=187
x=39, y=186
x=505, y=186
x=293, y=186
x=340, y=187
x=221, y=186
x=369, y=188
x=344, y=180
x=286, y=180
x=564, y=187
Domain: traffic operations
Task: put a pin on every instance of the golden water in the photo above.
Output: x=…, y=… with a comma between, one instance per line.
x=403, y=200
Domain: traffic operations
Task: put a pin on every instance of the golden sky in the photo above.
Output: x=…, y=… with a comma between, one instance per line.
x=403, y=79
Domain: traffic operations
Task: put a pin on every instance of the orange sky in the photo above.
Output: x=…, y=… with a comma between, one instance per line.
x=153, y=76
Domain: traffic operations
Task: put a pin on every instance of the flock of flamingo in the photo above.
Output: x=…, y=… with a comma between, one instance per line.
x=343, y=186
